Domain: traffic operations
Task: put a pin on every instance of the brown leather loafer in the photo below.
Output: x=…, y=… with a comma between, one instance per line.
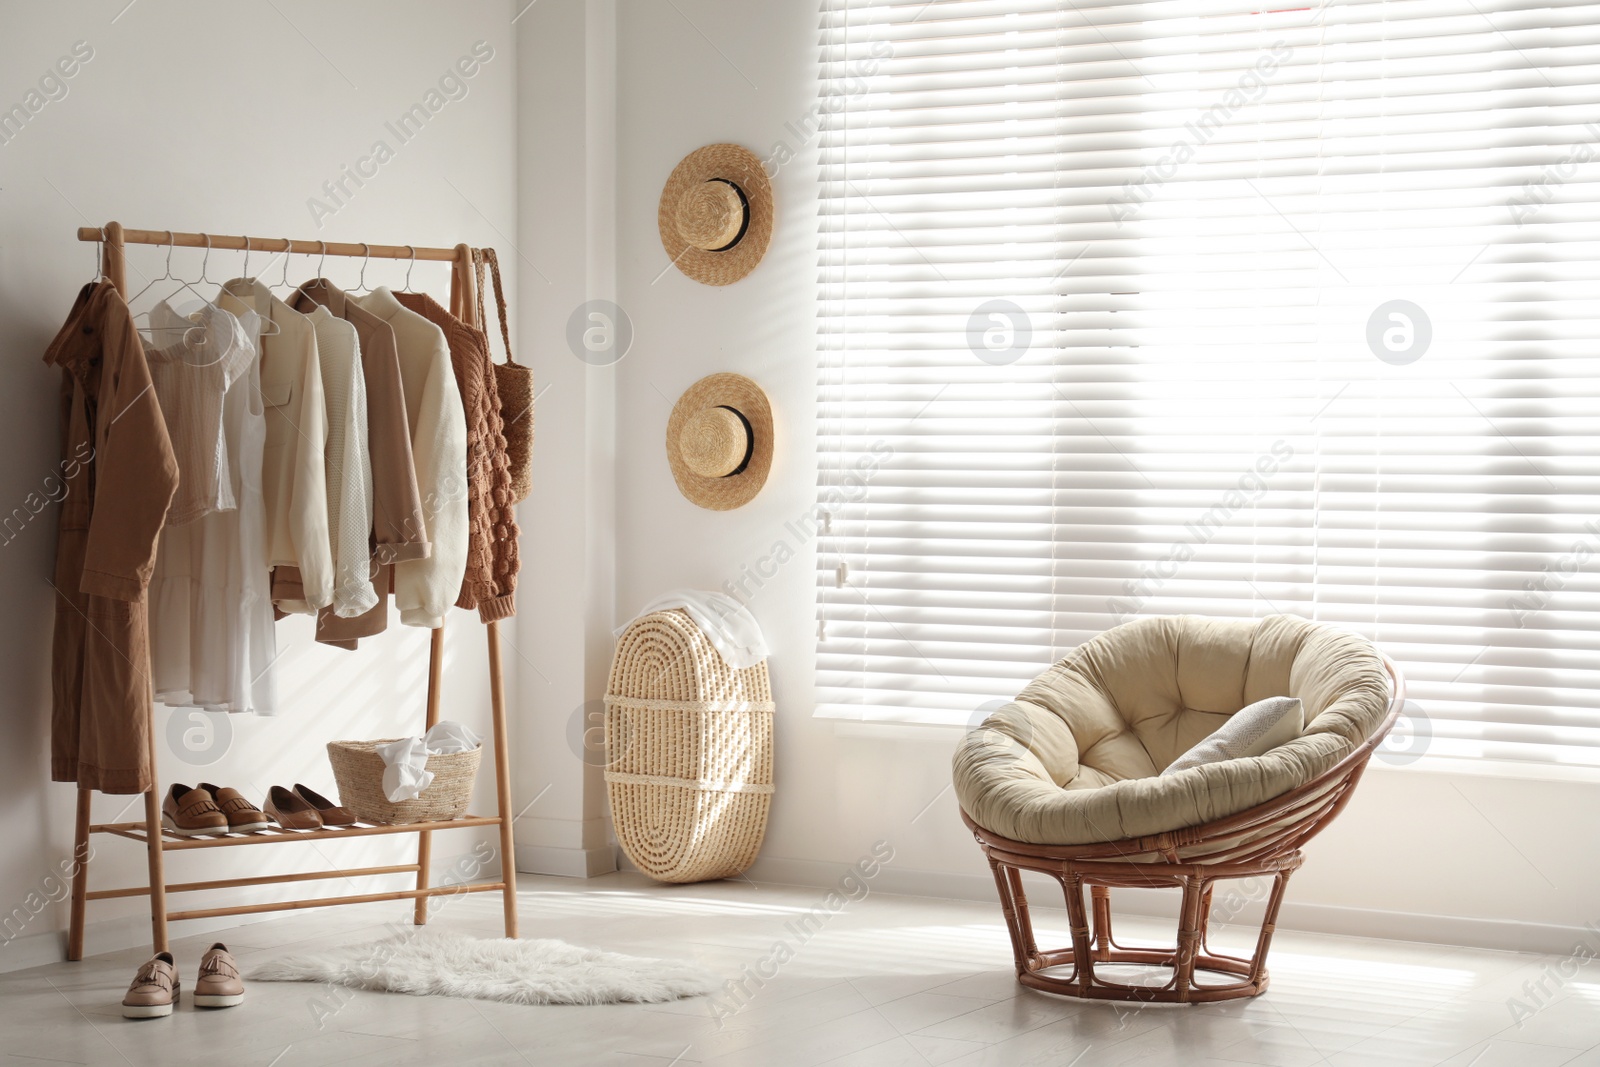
x=218, y=985
x=332, y=814
x=192, y=813
x=243, y=816
x=290, y=811
x=154, y=989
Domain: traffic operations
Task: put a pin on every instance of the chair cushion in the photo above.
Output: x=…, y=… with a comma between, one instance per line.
x=1075, y=758
x=1249, y=731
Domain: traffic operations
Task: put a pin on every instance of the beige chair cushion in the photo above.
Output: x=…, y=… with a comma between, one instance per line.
x=1075, y=758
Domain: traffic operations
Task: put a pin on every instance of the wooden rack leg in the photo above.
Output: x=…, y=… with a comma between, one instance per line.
x=158, y=874
x=116, y=269
x=80, y=876
x=419, y=912
x=154, y=830
x=502, y=776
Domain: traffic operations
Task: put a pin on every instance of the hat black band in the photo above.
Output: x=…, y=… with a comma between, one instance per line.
x=744, y=203
x=749, y=436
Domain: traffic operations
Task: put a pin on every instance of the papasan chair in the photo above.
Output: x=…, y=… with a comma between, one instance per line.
x=1065, y=781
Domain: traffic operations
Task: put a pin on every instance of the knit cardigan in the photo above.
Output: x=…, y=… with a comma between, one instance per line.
x=490, y=584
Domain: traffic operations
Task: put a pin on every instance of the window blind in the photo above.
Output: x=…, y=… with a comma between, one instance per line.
x=1141, y=308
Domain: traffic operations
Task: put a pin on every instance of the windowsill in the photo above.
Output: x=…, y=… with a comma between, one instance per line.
x=896, y=730
x=1506, y=770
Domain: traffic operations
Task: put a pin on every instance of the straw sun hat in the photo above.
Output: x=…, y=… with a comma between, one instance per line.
x=719, y=441
x=716, y=214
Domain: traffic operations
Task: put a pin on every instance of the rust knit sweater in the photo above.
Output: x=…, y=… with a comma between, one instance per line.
x=490, y=584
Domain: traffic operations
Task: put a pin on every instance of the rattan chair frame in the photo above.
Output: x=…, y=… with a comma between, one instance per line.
x=1263, y=841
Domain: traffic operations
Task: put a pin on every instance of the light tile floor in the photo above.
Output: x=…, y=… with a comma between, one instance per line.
x=887, y=981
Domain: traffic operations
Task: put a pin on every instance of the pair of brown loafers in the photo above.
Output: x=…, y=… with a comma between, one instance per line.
x=206, y=809
x=302, y=808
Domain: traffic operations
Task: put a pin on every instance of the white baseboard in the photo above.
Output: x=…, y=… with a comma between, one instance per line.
x=565, y=862
x=1503, y=934
x=106, y=935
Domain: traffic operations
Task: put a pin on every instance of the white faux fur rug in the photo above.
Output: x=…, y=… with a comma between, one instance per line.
x=430, y=963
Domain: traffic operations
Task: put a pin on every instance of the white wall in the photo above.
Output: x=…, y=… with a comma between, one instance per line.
x=226, y=118
x=566, y=144
x=1420, y=853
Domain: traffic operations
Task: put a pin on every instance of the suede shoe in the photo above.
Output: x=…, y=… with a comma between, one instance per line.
x=154, y=990
x=218, y=985
x=243, y=816
x=191, y=813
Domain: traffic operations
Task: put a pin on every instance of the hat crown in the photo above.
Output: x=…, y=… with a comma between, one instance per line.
x=715, y=442
x=711, y=215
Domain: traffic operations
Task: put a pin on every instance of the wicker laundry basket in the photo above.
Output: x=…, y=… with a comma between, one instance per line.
x=358, y=772
x=688, y=752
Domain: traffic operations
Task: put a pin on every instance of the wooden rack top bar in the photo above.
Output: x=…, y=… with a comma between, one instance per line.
x=269, y=244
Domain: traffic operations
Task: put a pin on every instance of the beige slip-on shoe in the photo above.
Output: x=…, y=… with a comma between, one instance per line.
x=243, y=816
x=154, y=989
x=218, y=985
x=191, y=813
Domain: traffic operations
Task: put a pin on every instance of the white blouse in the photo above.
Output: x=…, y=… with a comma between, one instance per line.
x=193, y=360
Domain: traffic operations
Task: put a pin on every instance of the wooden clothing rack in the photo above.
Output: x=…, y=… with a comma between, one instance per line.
x=463, y=304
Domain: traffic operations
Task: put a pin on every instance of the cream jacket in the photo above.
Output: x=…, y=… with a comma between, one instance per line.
x=293, y=478
x=424, y=589
x=349, y=466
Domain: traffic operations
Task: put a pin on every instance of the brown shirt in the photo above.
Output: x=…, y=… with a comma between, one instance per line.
x=121, y=475
x=490, y=584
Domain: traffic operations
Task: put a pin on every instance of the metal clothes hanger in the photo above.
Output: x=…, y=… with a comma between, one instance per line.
x=409, y=268
x=320, y=280
x=266, y=320
x=366, y=257
x=168, y=276
x=288, y=247
x=206, y=262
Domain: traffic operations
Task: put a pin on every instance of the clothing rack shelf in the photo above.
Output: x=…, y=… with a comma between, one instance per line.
x=170, y=842
x=463, y=304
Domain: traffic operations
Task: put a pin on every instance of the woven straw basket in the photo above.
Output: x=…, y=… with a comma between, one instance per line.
x=358, y=771
x=689, y=752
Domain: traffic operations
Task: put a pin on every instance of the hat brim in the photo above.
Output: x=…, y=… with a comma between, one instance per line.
x=744, y=396
x=729, y=163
